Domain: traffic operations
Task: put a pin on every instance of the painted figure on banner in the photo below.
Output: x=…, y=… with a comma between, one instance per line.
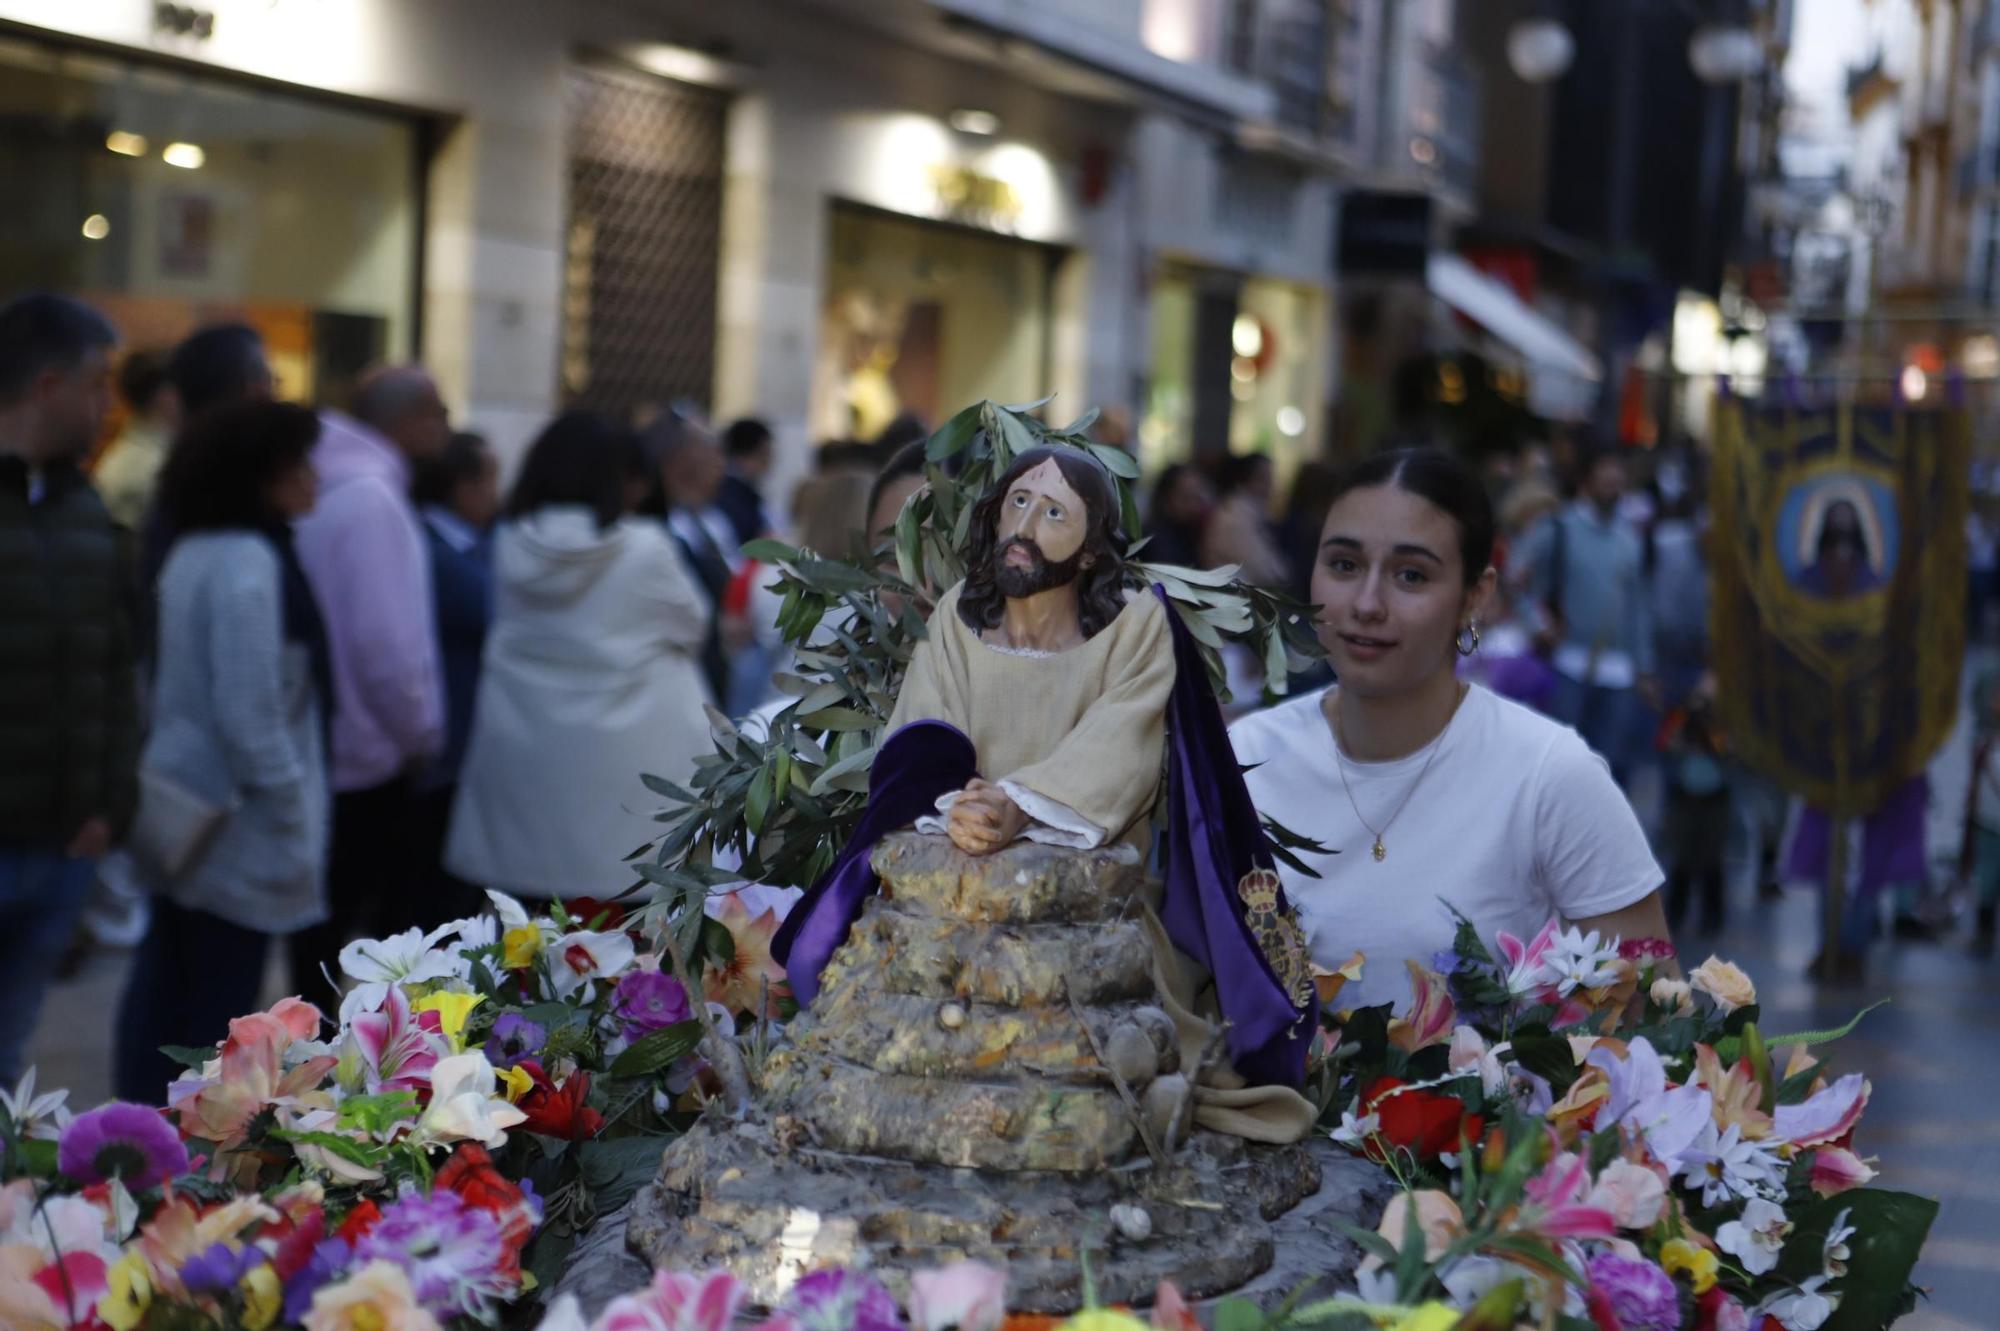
x=1045, y=703
x=1838, y=614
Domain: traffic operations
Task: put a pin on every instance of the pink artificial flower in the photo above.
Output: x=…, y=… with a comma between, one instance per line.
x=398, y=1049
x=1633, y=1194
x=76, y=1283
x=677, y=1302
x=1431, y=1016
x=250, y=1074
x=1559, y=1202
x=1171, y=1311
x=968, y=1295
x=1525, y=971
x=1826, y=1117
x=1835, y=1169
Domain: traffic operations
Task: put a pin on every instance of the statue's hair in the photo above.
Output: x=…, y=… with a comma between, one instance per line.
x=1100, y=587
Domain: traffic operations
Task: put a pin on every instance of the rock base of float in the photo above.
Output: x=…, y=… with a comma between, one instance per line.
x=734, y=1197
x=986, y=1074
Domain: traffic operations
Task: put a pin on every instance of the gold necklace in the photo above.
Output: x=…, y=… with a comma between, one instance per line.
x=1381, y=852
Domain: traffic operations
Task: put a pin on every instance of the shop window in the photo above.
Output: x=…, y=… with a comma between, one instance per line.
x=170, y=199
x=922, y=319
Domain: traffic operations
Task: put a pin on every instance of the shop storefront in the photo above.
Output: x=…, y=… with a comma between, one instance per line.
x=921, y=317
x=171, y=198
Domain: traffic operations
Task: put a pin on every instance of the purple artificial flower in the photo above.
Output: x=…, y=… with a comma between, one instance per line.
x=842, y=1301
x=121, y=1140
x=329, y=1262
x=1446, y=961
x=514, y=1038
x=647, y=1001
x=453, y=1253
x=1640, y=1293
x=219, y=1267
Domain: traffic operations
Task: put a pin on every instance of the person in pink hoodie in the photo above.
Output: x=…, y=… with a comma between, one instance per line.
x=364, y=553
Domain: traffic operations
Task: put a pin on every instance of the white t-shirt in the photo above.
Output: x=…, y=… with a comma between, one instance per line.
x=1516, y=821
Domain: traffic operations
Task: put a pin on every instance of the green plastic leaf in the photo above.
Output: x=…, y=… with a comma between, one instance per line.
x=838, y=718
x=952, y=437
x=767, y=551
x=188, y=1056
x=375, y=1114
x=1239, y=1314
x=615, y=1168
x=657, y=1050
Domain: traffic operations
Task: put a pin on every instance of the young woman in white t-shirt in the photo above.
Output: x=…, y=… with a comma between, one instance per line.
x=1426, y=790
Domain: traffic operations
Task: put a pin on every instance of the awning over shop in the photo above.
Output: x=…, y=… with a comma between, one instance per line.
x=1563, y=376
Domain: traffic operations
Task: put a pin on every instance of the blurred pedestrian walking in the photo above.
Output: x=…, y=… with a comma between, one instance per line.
x=363, y=548
x=691, y=469
x=129, y=469
x=458, y=497
x=1239, y=530
x=746, y=448
x=233, y=825
x=1182, y=498
x=69, y=726
x=591, y=678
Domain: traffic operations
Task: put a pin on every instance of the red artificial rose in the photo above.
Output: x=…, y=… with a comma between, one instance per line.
x=585, y=912
x=471, y=1174
x=359, y=1221
x=1602, y=1315
x=295, y=1247
x=1423, y=1123
x=559, y=1111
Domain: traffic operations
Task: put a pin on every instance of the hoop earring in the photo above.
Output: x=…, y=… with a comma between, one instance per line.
x=1468, y=648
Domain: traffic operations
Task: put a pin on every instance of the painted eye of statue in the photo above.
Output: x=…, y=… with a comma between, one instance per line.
x=1055, y=513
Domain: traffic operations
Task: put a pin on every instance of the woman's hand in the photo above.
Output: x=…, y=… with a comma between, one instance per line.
x=983, y=819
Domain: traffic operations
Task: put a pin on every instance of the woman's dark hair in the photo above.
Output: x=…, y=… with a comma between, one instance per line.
x=1437, y=476
x=1100, y=589
x=1163, y=485
x=221, y=468
x=464, y=459
x=745, y=437
x=1238, y=470
x=579, y=458
x=215, y=365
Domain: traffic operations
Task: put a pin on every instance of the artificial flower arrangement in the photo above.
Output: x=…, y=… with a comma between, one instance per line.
x=1629, y=1147
x=487, y=1089
x=1581, y=1144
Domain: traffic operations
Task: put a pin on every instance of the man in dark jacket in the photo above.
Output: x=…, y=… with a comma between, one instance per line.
x=69, y=731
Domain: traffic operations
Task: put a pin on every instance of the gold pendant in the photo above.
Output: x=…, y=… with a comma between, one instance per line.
x=1381, y=851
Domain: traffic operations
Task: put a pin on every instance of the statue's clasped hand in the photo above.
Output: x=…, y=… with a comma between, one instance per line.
x=983, y=819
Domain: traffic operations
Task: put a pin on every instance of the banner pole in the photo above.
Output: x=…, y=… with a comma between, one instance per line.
x=1835, y=905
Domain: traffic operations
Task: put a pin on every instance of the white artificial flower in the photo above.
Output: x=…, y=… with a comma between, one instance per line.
x=1376, y=1285
x=1579, y=960
x=474, y=932
x=1757, y=1236
x=1469, y=1279
x=1835, y=1254
x=563, y=1315
x=41, y=1116
x=1726, y=1167
x=1356, y=1131
x=466, y=1104
x=577, y=958
x=1801, y=1309
x=511, y=913
x=410, y=957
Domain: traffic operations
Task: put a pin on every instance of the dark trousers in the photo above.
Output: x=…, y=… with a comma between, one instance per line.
x=193, y=973
x=1696, y=827
x=439, y=894
x=371, y=871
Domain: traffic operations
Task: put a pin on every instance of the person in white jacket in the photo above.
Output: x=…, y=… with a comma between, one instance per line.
x=591, y=678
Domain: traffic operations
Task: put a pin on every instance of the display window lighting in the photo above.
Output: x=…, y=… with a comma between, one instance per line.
x=125, y=143
x=96, y=227
x=187, y=156
x=972, y=120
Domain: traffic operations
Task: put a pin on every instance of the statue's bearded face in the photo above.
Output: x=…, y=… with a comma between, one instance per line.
x=1041, y=530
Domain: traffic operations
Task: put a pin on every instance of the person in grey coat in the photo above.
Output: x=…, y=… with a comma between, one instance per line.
x=239, y=720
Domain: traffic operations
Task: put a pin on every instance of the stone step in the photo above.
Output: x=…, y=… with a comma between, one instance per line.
x=1026, y=883
x=927, y=1037
x=1018, y=965
x=1001, y=1124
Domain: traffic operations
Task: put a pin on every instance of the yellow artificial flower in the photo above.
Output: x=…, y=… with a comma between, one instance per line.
x=1431, y=1316
x=1103, y=1319
x=124, y=1304
x=514, y=1083
x=1677, y=1255
x=519, y=947
x=263, y=1298
x=452, y=1009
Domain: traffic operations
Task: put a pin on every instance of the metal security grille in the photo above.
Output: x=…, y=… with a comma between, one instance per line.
x=645, y=215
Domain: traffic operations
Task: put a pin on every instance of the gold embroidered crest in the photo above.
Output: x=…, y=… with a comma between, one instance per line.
x=1277, y=932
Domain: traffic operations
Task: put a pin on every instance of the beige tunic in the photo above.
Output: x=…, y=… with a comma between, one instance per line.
x=1078, y=739
x=1082, y=732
